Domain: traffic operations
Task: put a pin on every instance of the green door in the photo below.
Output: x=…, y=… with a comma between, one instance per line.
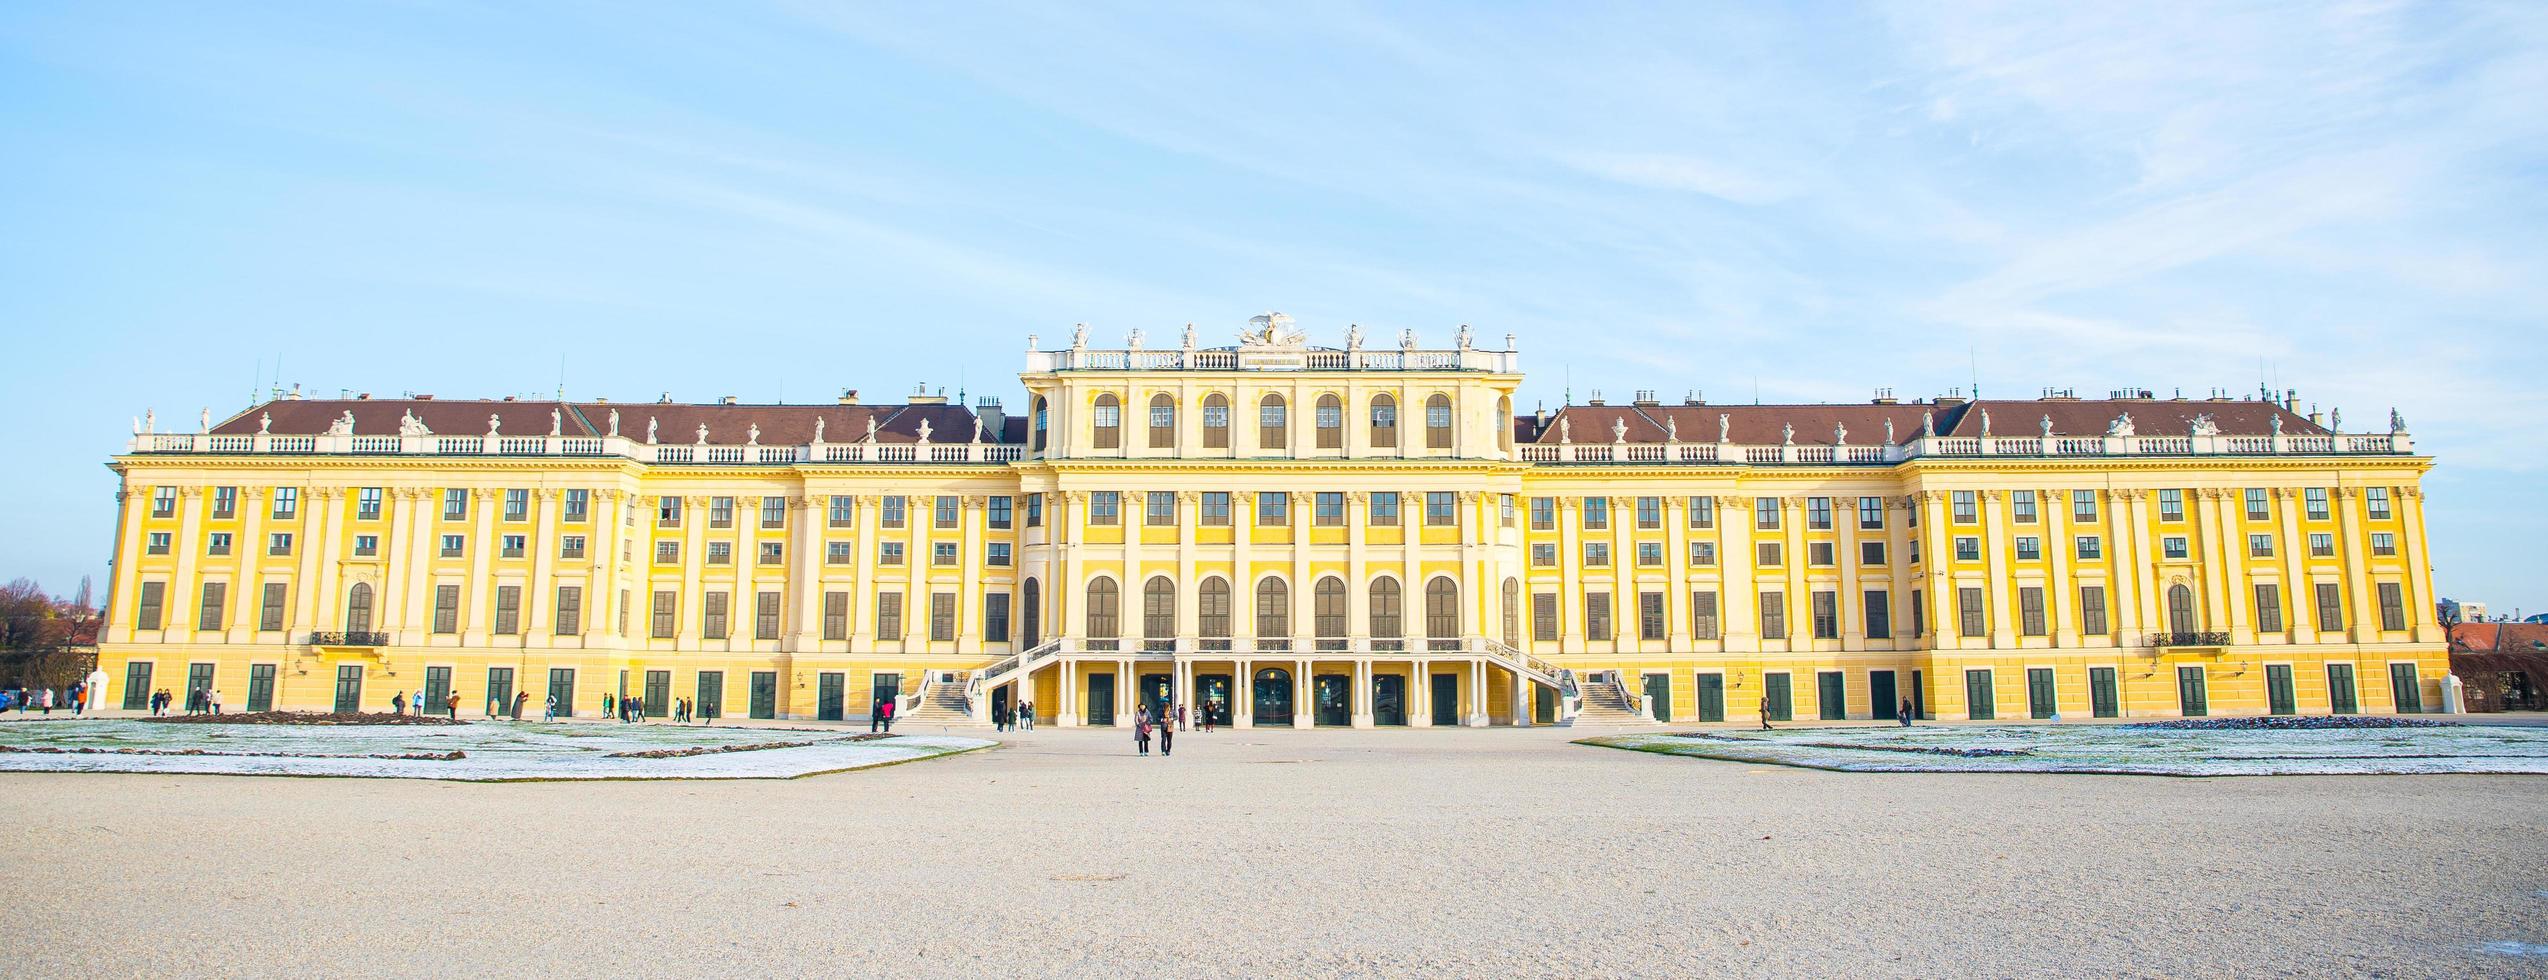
x=349, y=688
x=1389, y=699
x=499, y=691
x=881, y=688
x=2191, y=697
x=2039, y=693
x=437, y=690
x=1101, y=701
x=1334, y=694
x=562, y=690
x=1658, y=688
x=1711, y=697
x=1781, y=702
x=2405, y=689
x=199, y=687
x=1919, y=695
x=827, y=695
x=1981, y=703
x=2278, y=696
x=1543, y=704
x=657, y=701
x=765, y=694
x=1831, y=690
x=260, y=687
x=1155, y=692
x=711, y=703
x=1446, y=699
x=1212, y=698
x=1882, y=696
x=2102, y=701
x=137, y=686
x=2340, y=695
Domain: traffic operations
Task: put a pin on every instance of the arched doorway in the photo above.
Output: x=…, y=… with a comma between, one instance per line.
x=1273, y=696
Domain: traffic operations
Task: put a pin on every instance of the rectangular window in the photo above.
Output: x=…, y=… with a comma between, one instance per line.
x=2322, y=545
x=946, y=511
x=1328, y=509
x=720, y=552
x=366, y=545
x=720, y=512
x=2089, y=547
x=2316, y=500
x=1773, y=615
x=508, y=609
x=1105, y=508
x=713, y=612
x=1650, y=615
x=2269, y=607
x=217, y=543
x=1870, y=513
x=1216, y=508
x=1968, y=549
x=1543, y=556
x=773, y=552
x=1769, y=553
x=889, y=615
x=892, y=510
x=455, y=504
x=667, y=607
x=579, y=506
x=1596, y=554
x=765, y=616
x=999, y=512
x=225, y=503
x=454, y=544
x=153, y=598
x=2083, y=505
x=2172, y=505
x=836, y=615
x=1919, y=612
x=2172, y=547
x=278, y=543
x=1826, y=607
x=1703, y=552
x=1161, y=509
x=667, y=552
x=1649, y=512
x=570, y=546
x=2021, y=505
x=2260, y=546
x=1596, y=616
x=2257, y=508
x=842, y=512
x=1384, y=509
x=998, y=555
x=1596, y=513
x=287, y=503
x=1968, y=613
x=1035, y=510
x=1879, y=607
x=667, y=511
x=1330, y=417
x=943, y=553
x=837, y=553
x=2377, y=499
x=570, y=610
x=2384, y=544
x=1702, y=512
x=1703, y=621
x=1871, y=552
x=1505, y=503
x=1765, y=513
x=1650, y=554
x=2392, y=607
x=514, y=545
x=995, y=617
x=2029, y=548
x=773, y=512
x=1967, y=510
x=163, y=502
x=1819, y=554
x=159, y=542
x=517, y=505
x=1544, y=616
x=2331, y=609
x=2092, y=610
x=446, y=609
x=2030, y=611
x=1438, y=508
x=889, y=553
x=270, y=615
x=1273, y=509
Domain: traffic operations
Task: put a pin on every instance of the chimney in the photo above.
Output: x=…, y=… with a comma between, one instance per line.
x=993, y=419
x=1595, y=400
x=1645, y=398
x=1884, y=396
x=1692, y=398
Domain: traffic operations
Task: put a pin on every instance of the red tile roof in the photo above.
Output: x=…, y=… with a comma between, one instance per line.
x=1814, y=424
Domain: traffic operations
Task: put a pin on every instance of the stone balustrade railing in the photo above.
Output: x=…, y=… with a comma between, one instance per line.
x=573, y=446
x=1179, y=359
x=2397, y=443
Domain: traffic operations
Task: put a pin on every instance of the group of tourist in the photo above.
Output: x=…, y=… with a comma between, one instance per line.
x=1902, y=714
x=1017, y=719
x=1169, y=721
x=41, y=699
x=632, y=710
x=400, y=703
x=880, y=716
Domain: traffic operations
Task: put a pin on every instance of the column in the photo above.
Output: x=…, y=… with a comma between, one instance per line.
x=1243, y=694
x=1738, y=604
x=123, y=588
x=2224, y=512
x=2419, y=566
x=862, y=598
x=1995, y=561
x=2059, y=552
x=1133, y=508
x=1242, y=569
x=539, y=595
x=805, y=572
x=1420, y=694
x=1124, y=692
x=325, y=506
x=972, y=512
x=1357, y=571
x=1189, y=519
x=478, y=619
x=694, y=546
x=1062, y=597
x=602, y=585
x=183, y=607
x=415, y=522
x=1360, y=697
x=1848, y=597
x=246, y=598
x=2145, y=569
x=2365, y=626
x=1900, y=544
x=1943, y=634
x=2299, y=601
x=1477, y=693
x=1571, y=628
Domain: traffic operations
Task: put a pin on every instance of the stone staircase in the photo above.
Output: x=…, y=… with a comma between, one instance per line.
x=1605, y=705
x=943, y=706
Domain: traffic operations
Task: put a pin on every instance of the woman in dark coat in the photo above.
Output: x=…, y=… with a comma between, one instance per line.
x=1141, y=730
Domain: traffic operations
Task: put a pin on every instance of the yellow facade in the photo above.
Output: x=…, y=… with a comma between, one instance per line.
x=1296, y=533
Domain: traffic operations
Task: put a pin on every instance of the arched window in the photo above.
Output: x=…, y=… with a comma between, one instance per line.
x=1212, y=608
x=1216, y=422
x=1513, y=613
x=1437, y=422
x=2181, y=617
x=358, y=608
x=1384, y=422
x=1504, y=423
x=1273, y=425
x=1441, y=609
x=1163, y=421
x=1331, y=422
x=1273, y=611
x=1104, y=607
x=1106, y=420
x=1042, y=425
x=1031, y=596
x=1386, y=621
x=1159, y=611
x=1327, y=611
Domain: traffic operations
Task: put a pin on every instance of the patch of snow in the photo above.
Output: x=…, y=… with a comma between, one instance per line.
x=2141, y=750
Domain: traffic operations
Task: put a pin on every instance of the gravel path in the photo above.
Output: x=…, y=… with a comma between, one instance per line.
x=1330, y=853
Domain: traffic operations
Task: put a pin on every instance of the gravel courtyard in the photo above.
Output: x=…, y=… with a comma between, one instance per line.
x=1278, y=852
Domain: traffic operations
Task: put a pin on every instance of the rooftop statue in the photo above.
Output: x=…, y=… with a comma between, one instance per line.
x=1618, y=429
x=2048, y=425
x=1463, y=337
x=2397, y=422
x=818, y=429
x=977, y=420
x=495, y=423
x=1888, y=432
x=343, y=426
x=1787, y=434
x=2122, y=425
x=410, y=425
x=2203, y=425
x=1840, y=433
x=871, y=428
x=1353, y=336
x=614, y=423
x=1671, y=429
x=557, y=422
x=1928, y=424
x=265, y=422
x=703, y=433
x=1079, y=337
x=650, y=430
x=1986, y=423
x=924, y=432
x=1565, y=429
x=752, y=436
x=1724, y=427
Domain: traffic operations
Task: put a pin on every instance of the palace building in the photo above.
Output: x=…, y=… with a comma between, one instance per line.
x=1283, y=534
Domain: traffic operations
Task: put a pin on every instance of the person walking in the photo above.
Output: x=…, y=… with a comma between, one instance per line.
x=1168, y=734
x=418, y=702
x=890, y=708
x=551, y=714
x=1181, y=722
x=1141, y=731
x=451, y=706
x=212, y=700
x=1905, y=713
x=520, y=698
x=1764, y=714
x=1030, y=716
x=398, y=702
x=47, y=698
x=610, y=705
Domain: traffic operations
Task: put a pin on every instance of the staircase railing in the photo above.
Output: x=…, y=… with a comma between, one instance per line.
x=992, y=676
x=918, y=696
x=1569, y=697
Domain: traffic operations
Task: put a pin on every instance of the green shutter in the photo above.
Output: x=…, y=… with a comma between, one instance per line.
x=2101, y=693
x=2406, y=689
x=1832, y=689
x=1782, y=702
x=2040, y=701
x=1980, y=702
x=2278, y=695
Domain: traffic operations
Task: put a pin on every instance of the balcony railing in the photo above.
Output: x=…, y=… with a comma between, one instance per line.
x=1312, y=359
x=347, y=639
x=962, y=453
x=1959, y=447
x=2200, y=639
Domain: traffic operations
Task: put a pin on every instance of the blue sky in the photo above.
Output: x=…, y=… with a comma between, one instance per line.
x=1810, y=201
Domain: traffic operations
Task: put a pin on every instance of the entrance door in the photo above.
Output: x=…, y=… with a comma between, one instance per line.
x=1389, y=699
x=1782, y=701
x=349, y=688
x=2405, y=689
x=199, y=687
x=2191, y=697
x=499, y=691
x=2278, y=698
x=2102, y=701
x=1101, y=700
x=562, y=688
x=1446, y=699
x=1882, y=697
x=828, y=687
x=137, y=686
x=1273, y=693
x=1919, y=696
x=1711, y=697
x=437, y=690
x=765, y=694
x=1000, y=697
x=882, y=688
x=711, y=702
x=260, y=687
x=1658, y=691
x=2039, y=693
x=1157, y=694
x=1543, y=704
x=658, y=697
x=1212, y=697
x=1981, y=702
x=1334, y=694
x=1831, y=689
x=2340, y=697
